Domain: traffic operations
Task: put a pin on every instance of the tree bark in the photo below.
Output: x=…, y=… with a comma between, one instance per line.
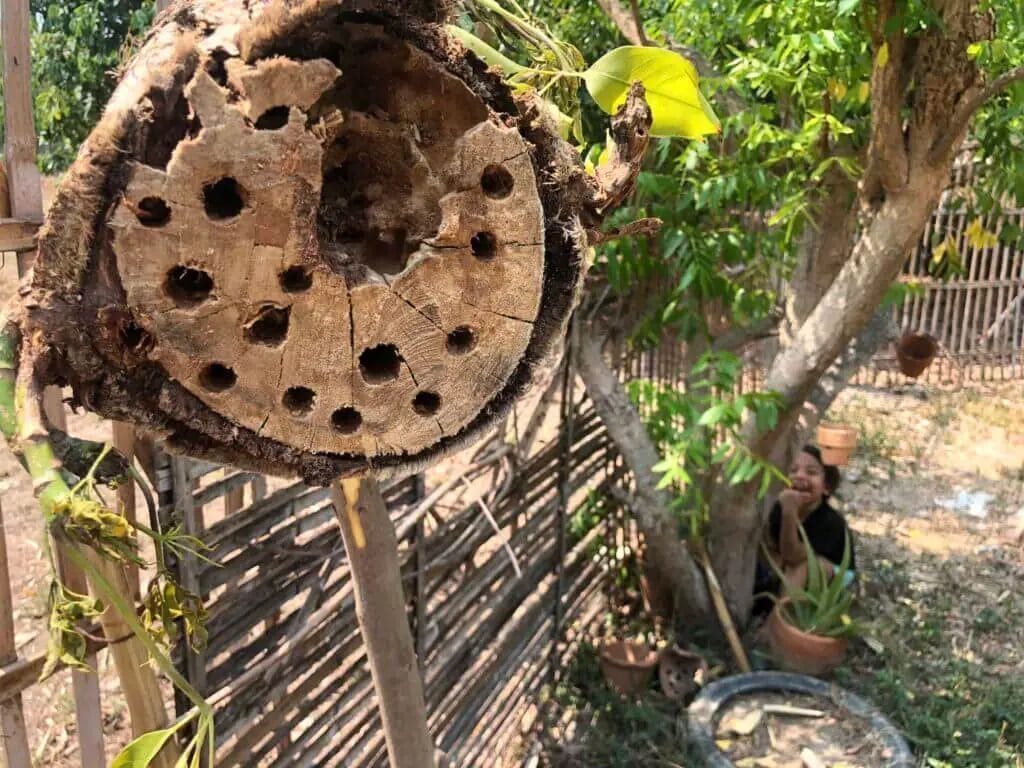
x=380, y=607
x=666, y=551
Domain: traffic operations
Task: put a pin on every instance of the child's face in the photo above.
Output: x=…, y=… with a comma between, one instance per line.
x=808, y=477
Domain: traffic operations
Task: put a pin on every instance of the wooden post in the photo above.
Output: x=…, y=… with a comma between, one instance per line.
x=138, y=680
x=14, y=749
x=124, y=442
x=372, y=550
x=25, y=192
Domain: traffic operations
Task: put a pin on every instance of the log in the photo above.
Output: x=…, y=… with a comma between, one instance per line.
x=311, y=238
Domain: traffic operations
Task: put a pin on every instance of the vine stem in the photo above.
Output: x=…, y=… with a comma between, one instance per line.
x=127, y=612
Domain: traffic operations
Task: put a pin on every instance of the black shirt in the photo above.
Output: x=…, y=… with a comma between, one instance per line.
x=826, y=531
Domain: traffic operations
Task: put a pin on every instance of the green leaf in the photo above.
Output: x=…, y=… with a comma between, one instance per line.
x=491, y=56
x=673, y=92
x=141, y=752
x=713, y=415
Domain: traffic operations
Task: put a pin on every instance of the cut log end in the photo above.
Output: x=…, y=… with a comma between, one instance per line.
x=337, y=256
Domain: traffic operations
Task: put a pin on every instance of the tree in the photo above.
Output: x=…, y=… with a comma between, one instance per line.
x=842, y=121
x=77, y=49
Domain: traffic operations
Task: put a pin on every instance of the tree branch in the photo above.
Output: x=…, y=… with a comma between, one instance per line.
x=969, y=104
x=666, y=550
x=887, y=162
x=639, y=22
x=628, y=25
x=738, y=337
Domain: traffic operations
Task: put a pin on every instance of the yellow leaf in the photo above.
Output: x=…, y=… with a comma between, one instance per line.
x=673, y=92
x=723, y=744
x=979, y=237
x=883, y=56
x=863, y=91
x=836, y=89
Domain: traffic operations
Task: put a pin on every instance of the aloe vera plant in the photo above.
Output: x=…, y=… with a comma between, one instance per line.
x=822, y=606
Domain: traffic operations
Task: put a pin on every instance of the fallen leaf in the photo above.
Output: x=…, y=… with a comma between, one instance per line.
x=741, y=725
x=811, y=760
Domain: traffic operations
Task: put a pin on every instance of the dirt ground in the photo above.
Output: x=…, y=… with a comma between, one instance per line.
x=942, y=607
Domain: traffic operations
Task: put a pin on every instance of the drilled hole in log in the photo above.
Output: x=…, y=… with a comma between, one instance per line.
x=188, y=286
x=223, y=199
x=484, y=245
x=296, y=280
x=170, y=124
x=270, y=327
x=426, y=403
x=273, y=119
x=461, y=341
x=153, y=212
x=215, y=67
x=217, y=377
x=380, y=364
x=299, y=400
x=497, y=182
x=135, y=337
x=346, y=420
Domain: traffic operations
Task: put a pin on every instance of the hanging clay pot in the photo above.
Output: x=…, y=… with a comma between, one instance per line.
x=915, y=353
x=627, y=665
x=837, y=442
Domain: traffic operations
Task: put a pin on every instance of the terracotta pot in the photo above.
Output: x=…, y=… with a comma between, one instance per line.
x=798, y=651
x=915, y=352
x=627, y=666
x=837, y=442
x=681, y=672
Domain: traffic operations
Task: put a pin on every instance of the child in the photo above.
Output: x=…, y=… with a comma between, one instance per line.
x=805, y=503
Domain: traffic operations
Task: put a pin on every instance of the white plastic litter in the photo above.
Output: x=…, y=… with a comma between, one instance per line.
x=974, y=504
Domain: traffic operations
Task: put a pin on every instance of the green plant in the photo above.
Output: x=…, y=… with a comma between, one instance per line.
x=822, y=606
x=557, y=68
x=77, y=517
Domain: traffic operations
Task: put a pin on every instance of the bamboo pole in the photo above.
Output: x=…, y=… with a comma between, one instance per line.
x=372, y=550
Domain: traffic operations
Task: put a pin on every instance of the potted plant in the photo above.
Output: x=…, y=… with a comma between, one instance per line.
x=810, y=628
x=837, y=442
x=915, y=353
x=627, y=665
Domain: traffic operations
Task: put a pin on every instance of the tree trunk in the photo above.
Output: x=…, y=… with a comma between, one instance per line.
x=842, y=313
x=380, y=607
x=666, y=550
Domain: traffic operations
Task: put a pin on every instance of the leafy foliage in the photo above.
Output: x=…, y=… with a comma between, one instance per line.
x=673, y=92
x=77, y=48
x=698, y=428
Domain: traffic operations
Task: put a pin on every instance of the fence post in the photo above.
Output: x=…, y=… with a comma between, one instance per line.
x=14, y=747
x=421, y=563
x=565, y=439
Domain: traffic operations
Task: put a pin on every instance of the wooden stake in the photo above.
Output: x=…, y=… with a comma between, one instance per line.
x=14, y=749
x=372, y=550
